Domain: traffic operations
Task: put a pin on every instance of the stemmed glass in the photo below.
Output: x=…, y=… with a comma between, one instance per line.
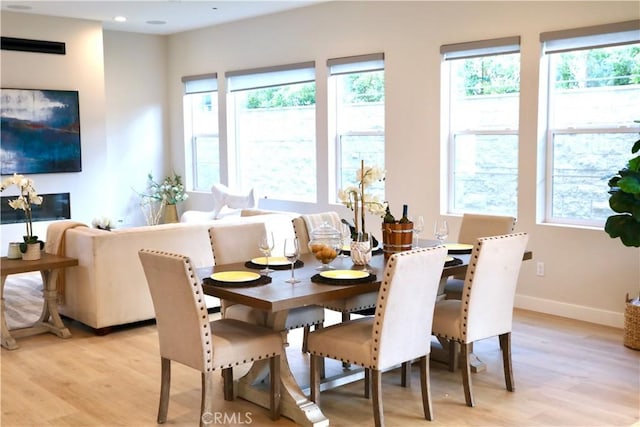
x=266, y=246
x=345, y=232
x=441, y=230
x=292, y=252
x=418, y=227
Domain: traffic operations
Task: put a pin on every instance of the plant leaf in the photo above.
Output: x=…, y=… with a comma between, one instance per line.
x=624, y=227
x=630, y=183
x=622, y=202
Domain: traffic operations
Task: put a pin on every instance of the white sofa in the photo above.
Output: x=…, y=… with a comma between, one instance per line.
x=108, y=287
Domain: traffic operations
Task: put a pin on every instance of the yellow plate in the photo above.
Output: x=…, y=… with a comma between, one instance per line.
x=235, y=276
x=449, y=258
x=273, y=260
x=344, y=274
x=458, y=246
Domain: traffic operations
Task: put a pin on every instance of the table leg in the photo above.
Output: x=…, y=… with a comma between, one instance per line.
x=8, y=341
x=294, y=403
x=50, y=317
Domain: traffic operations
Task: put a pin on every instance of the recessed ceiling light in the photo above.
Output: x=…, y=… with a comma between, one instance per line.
x=120, y=18
x=18, y=7
x=156, y=22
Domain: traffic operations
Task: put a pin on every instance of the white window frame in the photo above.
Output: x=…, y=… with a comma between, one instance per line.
x=261, y=78
x=585, y=38
x=202, y=83
x=342, y=66
x=466, y=50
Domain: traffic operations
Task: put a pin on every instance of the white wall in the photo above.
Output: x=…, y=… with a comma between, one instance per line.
x=81, y=69
x=137, y=119
x=587, y=274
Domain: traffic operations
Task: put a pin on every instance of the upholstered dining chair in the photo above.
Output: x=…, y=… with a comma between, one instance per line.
x=232, y=243
x=472, y=227
x=394, y=334
x=486, y=308
x=188, y=337
x=302, y=226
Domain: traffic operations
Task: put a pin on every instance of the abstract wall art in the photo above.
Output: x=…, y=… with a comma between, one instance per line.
x=40, y=131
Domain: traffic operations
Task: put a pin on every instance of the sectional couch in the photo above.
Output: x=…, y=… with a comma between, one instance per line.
x=108, y=287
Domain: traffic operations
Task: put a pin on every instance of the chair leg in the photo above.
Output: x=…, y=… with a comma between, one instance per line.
x=227, y=381
x=466, y=374
x=367, y=383
x=405, y=374
x=206, y=403
x=314, y=380
x=305, y=337
x=165, y=385
x=505, y=346
x=454, y=351
x=274, y=380
x=425, y=387
x=378, y=416
x=346, y=316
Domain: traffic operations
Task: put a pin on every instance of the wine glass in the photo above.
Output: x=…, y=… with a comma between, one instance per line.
x=418, y=227
x=266, y=246
x=345, y=232
x=292, y=252
x=441, y=230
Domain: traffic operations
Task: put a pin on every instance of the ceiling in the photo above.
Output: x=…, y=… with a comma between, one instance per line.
x=155, y=16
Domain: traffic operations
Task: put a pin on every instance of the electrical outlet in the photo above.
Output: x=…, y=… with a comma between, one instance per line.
x=540, y=268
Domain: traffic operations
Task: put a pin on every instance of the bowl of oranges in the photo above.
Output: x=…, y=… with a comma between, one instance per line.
x=325, y=243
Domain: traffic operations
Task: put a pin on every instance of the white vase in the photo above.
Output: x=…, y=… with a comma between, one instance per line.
x=33, y=252
x=360, y=253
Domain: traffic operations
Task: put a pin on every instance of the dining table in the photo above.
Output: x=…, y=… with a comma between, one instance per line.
x=278, y=297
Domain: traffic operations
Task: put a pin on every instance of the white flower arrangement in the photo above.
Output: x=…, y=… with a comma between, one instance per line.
x=27, y=197
x=103, y=223
x=170, y=191
x=356, y=198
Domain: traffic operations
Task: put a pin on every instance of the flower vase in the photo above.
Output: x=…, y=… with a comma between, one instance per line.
x=360, y=252
x=33, y=252
x=170, y=213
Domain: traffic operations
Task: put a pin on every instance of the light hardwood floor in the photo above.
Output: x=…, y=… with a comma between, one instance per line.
x=567, y=373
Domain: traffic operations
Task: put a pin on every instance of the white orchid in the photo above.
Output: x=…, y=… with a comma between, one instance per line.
x=103, y=223
x=27, y=197
x=356, y=198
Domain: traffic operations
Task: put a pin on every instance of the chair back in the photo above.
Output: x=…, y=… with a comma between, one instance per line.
x=490, y=286
x=304, y=224
x=233, y=243
x=474, y=226
x=404, y=310
x=181, y=314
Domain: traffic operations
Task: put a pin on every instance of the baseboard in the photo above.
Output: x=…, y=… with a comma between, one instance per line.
x=571, y=311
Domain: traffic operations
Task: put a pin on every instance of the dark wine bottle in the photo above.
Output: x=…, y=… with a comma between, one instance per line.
x=388, y=217
x=405, y=218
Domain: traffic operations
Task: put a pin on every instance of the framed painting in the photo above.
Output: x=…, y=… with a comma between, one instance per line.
x=40, y=131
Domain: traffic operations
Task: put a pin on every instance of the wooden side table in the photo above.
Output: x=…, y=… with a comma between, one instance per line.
x=48, y=266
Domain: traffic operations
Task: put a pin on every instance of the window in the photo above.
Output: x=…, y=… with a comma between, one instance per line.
x=593, y=84
x=481, y=108
x=200, y=111
x=272, y=131
x=356, y=107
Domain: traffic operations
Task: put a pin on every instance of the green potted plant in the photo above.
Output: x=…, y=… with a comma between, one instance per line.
x=625, y=201
x=625, y=224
